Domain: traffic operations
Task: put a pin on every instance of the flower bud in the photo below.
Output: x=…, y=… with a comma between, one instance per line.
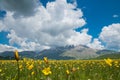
x=16, y=55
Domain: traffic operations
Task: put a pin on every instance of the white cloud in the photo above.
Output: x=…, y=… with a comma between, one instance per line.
x=7, y=48
x=19, y=7
x=2, y=26
x=79, y=38
x=110, y=35
x=14, y=38
x=115, y=16
x=96, y=44
x=23, y=43
x=50, y=26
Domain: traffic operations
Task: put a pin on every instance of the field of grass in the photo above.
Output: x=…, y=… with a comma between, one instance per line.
x=29, y=69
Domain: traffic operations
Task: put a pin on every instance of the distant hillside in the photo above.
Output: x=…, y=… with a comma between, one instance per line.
x=102, y=52
x=112, y=56
x=64, y=53
x=73, y=52
x=10, y=54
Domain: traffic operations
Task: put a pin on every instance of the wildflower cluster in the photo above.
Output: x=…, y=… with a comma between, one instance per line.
x=107, y=69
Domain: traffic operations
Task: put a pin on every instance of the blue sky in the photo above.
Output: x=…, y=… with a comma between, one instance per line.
x=99, y=13
x=96, y=14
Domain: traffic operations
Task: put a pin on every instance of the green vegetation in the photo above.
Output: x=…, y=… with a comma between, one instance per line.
x=112, y=56
x=60, y=69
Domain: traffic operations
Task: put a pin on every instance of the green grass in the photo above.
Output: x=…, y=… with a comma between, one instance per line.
x=78, y=70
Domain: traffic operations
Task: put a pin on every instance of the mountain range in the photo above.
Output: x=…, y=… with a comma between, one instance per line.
x=62, y=53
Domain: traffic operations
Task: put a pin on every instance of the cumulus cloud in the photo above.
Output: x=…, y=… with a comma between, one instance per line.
x=115, y=16
x=19, y=7
x=7, y=48
x=2, y=26
x=23, y=43
x=52, y=25
x=110, y=35
x=96, y=44
x=80, y=38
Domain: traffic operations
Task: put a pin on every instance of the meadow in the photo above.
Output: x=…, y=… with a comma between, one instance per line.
x=29, y=69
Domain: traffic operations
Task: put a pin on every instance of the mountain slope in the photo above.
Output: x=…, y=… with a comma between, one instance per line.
x=81, y=52
x=74, y=52
x=55, y=53
x=64, y=52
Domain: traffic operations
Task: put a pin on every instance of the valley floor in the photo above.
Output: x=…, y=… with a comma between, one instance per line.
x=29, y=69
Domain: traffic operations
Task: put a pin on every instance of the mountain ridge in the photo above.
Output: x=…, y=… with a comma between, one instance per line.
x=59, y=53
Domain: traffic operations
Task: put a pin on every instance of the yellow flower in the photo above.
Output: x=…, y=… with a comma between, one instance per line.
x=45, y=59
x=116, y=63
x=20, y=66
x=74, y=69
x=30, y=67
x=78, y=68
x=67, y=71
x=46, y=71
x=32, y=73
x=16, y=55
x=24, y=59
x=0, y=70
x=109, y=61
x=2, y=74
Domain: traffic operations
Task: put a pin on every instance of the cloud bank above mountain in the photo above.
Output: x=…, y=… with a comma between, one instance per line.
x=32, y=26
x=48, y=27
x=110, y=35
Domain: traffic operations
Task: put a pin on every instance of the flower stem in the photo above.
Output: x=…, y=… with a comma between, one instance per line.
x=18, y=70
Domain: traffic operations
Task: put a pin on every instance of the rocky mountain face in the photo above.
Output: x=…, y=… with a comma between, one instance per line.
x=60, y=53
x=81, y=52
